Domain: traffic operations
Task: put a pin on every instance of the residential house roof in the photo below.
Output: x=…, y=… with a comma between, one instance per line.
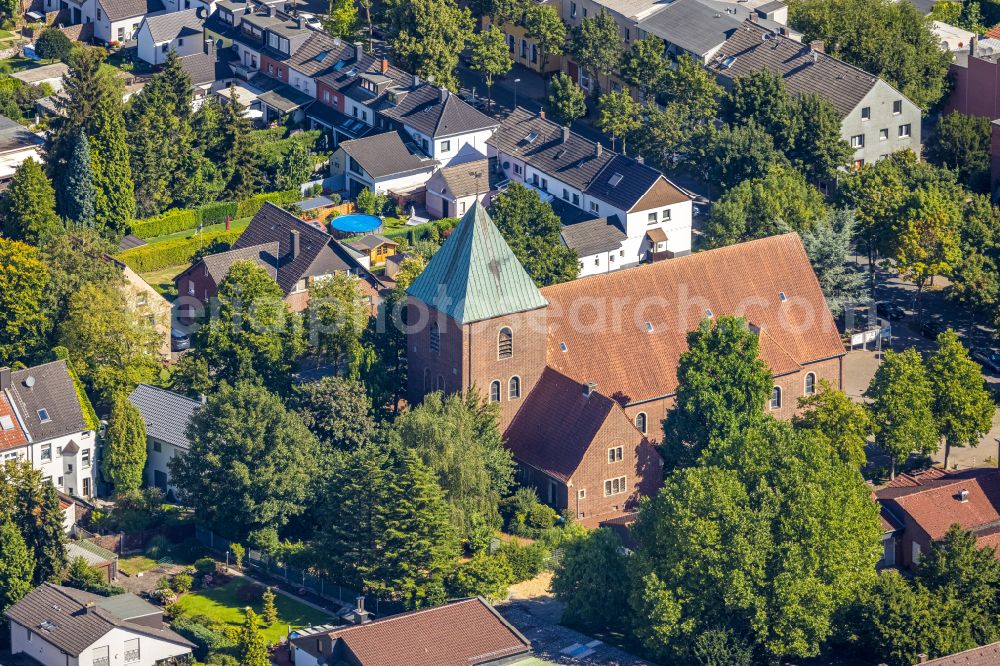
x=987, y=655
x=264, y=255
x=334, y=119
x=462, y=633
x=318, y=254
x=748, y=279
x=466, y=179
x=205, y=67
x=590, y=237
x=691, y=25
x=56, y=70
x=117, y=10
x=475, y=275
x=167, y=27
x=15, y=136
x=45, y=398
x=384, y=155
x=753, y=48
x=312, y=203
x=620, y=181
x=319, y=54
x=11, y=434
x=542, y=144
x=345, y=76
x=73, y=620
x=557, y=423
x=370, y=242
x=93, y=554
x=626, y=184
x=166, y=414
x=937, y=504
x=632, y=9
x=436, y=112
x=285, y=98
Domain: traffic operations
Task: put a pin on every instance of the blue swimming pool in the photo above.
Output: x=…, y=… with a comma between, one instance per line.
x=355, y=223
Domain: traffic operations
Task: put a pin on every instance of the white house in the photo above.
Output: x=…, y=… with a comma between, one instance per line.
x=631, y=213
x=178, y=31
x=381, y=163
x=17, y=144
x=117, y=21
x=62, y=626
x=42, y=420
x=167, y=416
x=442, y=125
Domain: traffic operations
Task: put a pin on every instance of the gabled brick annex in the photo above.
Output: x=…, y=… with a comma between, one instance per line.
x=585, y=371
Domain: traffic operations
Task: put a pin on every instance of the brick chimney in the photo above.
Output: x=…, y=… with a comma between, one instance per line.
x=4, y=378
x=359, y=48
x=541, y=114
x=385, y=65
x=444, y=94
x=565, y=134
x=589, y=388
x=209, y=46
x=817, y=46
x=293, y=243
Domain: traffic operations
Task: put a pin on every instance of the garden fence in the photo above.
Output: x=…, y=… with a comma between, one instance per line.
x=299, y=578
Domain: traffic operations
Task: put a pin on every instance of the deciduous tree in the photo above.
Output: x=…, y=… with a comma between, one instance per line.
x=53, y=44
x=490, y=57
x=532, y=230
x=646, y=66
x=962, y=143
x=962, y=406
x=336, y=319
x=24, y=279
x=338, y=411
x=722, y=388
x=254, y=336
x=542, y=24
x=566, y=101
x=620, y=116
x=596, y=45
x=247, y=450
x=846, y=425
x=113, y=347
x=902, y=401
x=779, y=202
x=592, y=580
x=427, y=36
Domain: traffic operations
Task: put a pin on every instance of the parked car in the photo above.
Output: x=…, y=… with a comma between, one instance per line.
x=311, y=21
x=988, y=358
x=931, y=328
x=890, y=311
x=179, y=340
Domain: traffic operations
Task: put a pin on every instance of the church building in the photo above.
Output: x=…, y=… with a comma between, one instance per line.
x=585, y=371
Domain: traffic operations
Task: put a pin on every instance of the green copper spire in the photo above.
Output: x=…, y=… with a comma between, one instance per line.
x=475, y=275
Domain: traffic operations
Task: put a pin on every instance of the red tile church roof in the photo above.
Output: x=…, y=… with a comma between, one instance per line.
x=611, y=342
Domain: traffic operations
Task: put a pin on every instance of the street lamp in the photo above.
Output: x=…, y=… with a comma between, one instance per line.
x=516, y=81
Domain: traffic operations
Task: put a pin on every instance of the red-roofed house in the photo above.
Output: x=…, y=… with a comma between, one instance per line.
x=463, y=633
x=925, y=506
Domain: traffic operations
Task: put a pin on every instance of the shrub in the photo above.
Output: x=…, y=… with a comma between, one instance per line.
x=182, y=583
x=526, y=562
x=216, y=213
x=524, y=515
x=205, y=565
x=169, y=222
x=52, y=44
x=201, y=635
x=484, y=576
x=156, y=256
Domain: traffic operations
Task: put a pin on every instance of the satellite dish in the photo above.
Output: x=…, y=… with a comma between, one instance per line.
x=29, y=381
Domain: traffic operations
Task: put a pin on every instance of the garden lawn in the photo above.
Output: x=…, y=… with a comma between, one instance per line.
x=223, y=605
x=234, y=225
x=163, y=280
x=136, y=564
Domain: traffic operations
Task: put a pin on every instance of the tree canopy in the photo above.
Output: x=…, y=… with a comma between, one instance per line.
x=125, y=447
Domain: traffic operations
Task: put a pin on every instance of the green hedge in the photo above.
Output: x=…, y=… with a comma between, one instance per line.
x=156, y=256
x=166, y=223
x=174, y=221
x=422, y=231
